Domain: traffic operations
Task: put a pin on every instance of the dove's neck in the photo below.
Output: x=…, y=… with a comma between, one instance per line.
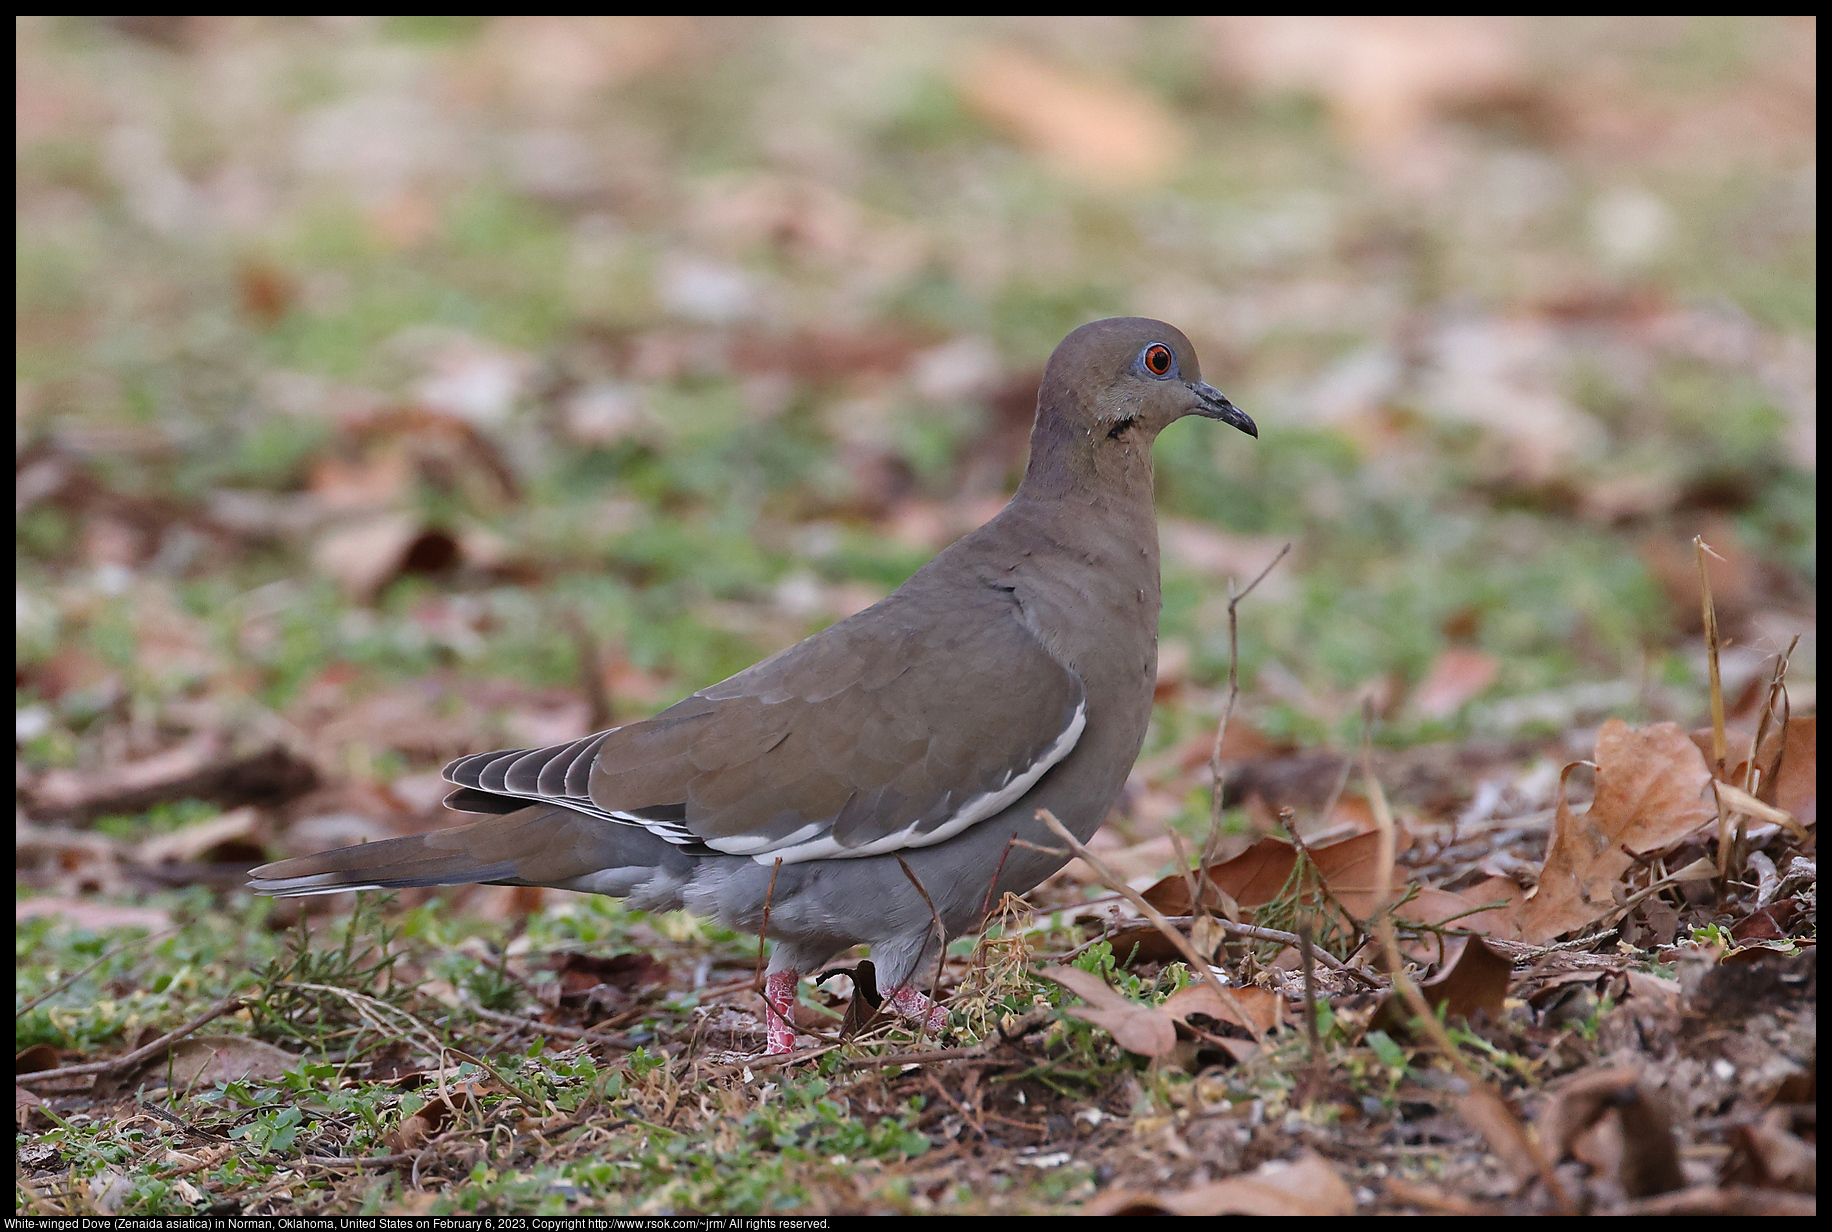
x=1075, y=462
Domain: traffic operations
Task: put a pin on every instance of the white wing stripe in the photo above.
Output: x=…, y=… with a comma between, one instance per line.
x=978, y=809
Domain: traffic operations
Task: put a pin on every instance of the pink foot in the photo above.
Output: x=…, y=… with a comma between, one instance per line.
x=779, y=1011
x=914, y=1006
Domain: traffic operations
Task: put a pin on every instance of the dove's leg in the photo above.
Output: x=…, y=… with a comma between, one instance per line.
x=779, y=1000
x=912, y=1004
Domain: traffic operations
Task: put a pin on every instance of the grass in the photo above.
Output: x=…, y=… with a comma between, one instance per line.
x=206, y=307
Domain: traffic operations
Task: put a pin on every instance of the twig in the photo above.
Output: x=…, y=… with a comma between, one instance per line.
x=1335, y=797
x=920, y=1058
x=1227, y=712
x=1048, y=851
x=549, y=1028
x=1751, y=771
x=1720, y=746
x=972, y=1121
x=941, y=941
x=1197, y=963
x=1254, y=932
x=42, y=997
x=369, y=1161
x=1504, y=1131
x=763, y=931
x=1329, y=895
x=769, y=1061
x=591, y=671
x=226, y=1005
x=992, y=885
x=1307, y=953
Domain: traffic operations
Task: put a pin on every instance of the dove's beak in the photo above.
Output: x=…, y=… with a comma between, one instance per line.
x=1211, y=403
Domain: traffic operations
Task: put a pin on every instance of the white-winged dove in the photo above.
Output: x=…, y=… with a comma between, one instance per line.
x=1012, y=673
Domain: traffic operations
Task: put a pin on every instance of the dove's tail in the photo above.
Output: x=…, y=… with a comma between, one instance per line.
x=542, y=845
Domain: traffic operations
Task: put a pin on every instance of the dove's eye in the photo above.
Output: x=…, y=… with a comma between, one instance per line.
x=1157, y=359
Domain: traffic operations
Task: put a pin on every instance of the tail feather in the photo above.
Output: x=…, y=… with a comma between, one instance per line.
x=542, y=845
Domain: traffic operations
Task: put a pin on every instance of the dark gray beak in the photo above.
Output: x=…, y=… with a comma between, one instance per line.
x=1211, y=403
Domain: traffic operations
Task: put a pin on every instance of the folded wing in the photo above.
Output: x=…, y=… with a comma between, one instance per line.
x=852, y=743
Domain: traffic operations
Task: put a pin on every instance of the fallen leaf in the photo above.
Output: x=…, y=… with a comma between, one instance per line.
x=1137, y=1028
x=1100, y=132
x=1655, y=988
x=24, y=1102
x=1254, y=877
x=1199, y=548
x=1652, y=790
x=1474, y=978
x=1491, y=1116
x=37, y=1057
x=1456, y=677
x=1143, y=944
x=1265, y=1007
x=193, y=842
x=1795, y=787
x=203, y=1061
x=91, y=915
x=1385, y=78
x=1352, y=869
x=1609, y=1121
x=1307, y=1185
x=204, y=768
x=582, y=975
x=62, y=791
x=442, y=1106
x=365, y=556
x=1768, y=1153
x=1497, y=901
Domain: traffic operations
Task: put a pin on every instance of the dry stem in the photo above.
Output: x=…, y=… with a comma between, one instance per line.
x=1505, y=1133
x=1227, y=712
x=1197, y=963
x=226, y=1005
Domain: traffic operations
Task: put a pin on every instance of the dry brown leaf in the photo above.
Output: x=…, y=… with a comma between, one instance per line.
x=1494, y=921
x=92, y=915
x=1265, y=1007
x=204, y=768
x=1307, y=1185
x=1490, y=1115
x=204, y=1061
x=1385, y=78
x=1100, y=132
x=1197, y=547
x=1253, y=877
x=1352, y=869
x=1796, y=785
x=364, y=556
x=1474, y=978
x=415, y=1130
x=195, y=841
x=1652, y=790
x=1609, y=1121
x=1137, y=1028
x=1768, y=1153
x=1142, y=944
x=37, y=1057
x=65, y=790
x=1457, y=676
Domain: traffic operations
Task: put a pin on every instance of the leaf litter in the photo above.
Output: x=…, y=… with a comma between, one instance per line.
x=261, y=633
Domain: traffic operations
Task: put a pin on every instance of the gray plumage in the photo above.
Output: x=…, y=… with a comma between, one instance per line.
x=1013, y=672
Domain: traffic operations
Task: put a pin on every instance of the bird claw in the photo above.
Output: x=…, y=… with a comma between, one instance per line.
x=918, y=1008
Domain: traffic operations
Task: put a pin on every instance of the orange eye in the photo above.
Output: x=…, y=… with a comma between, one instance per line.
x=1158, y=359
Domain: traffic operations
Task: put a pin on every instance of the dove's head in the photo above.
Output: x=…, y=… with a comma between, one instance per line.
x=1109, y=388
